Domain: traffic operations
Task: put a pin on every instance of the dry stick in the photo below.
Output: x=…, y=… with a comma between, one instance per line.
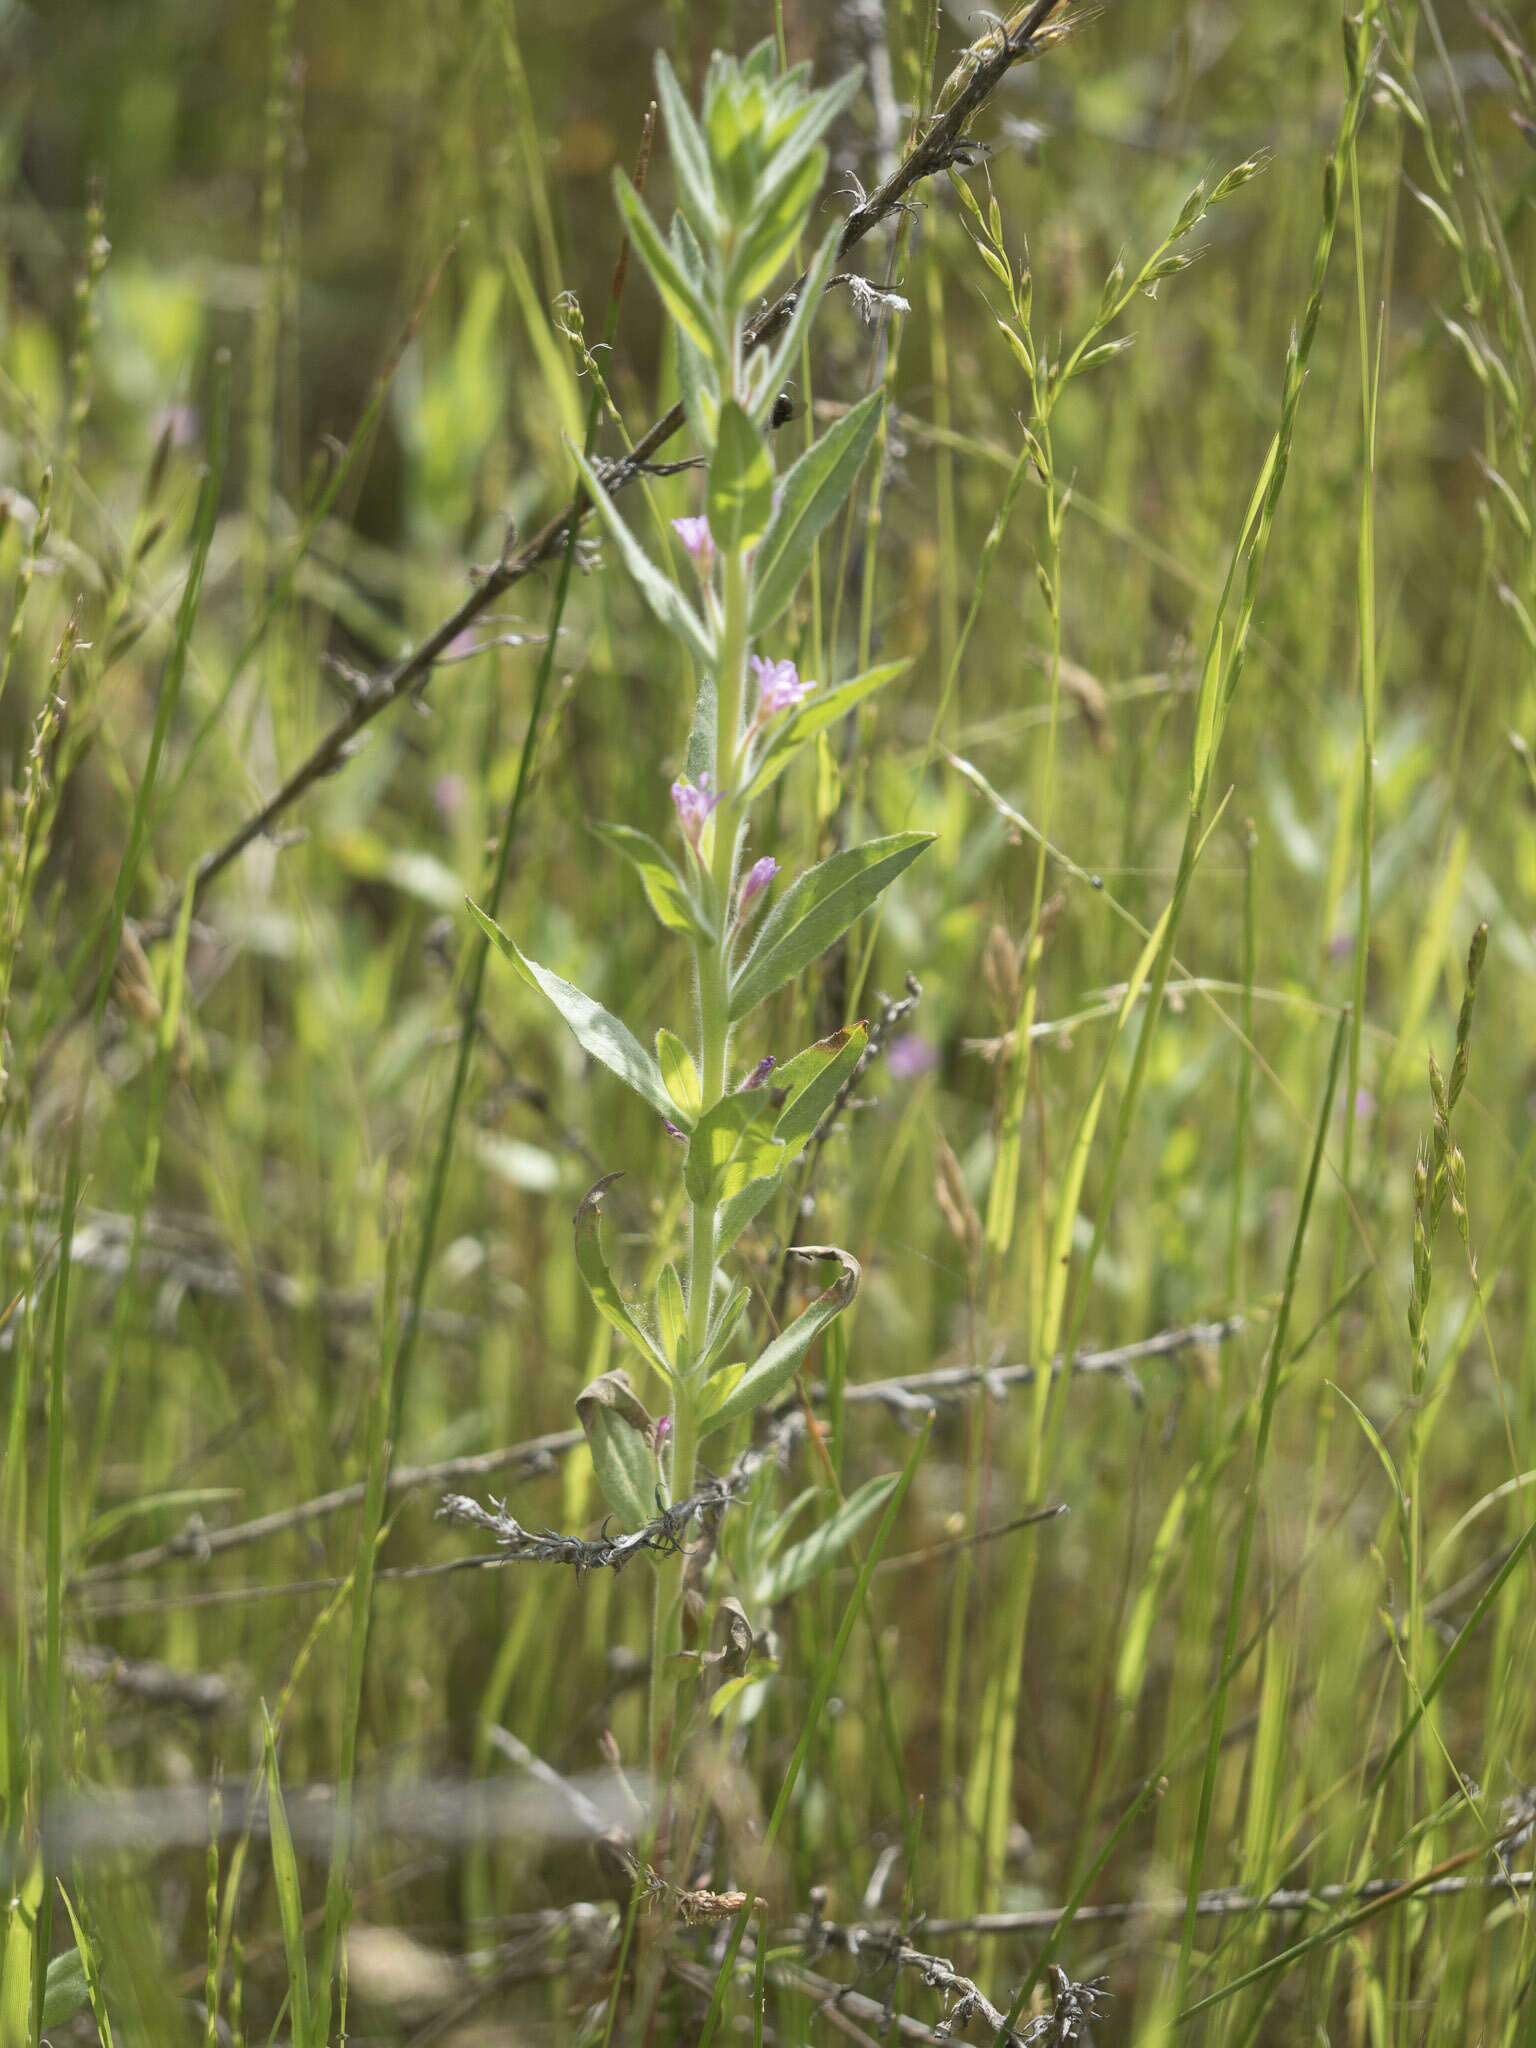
x=935, y=152
x=538, y=1455
x=1379, y=1891
x=525, y=1459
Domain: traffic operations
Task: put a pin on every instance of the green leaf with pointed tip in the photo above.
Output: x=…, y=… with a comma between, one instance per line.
x=739, y=499
x=812, y=716
x=719, y=1389
x=771, y=1372
x=672, y=1317
x=680, y=1075
x=700, y=758
x=812, y=493
x=619, y=1436
x=740, y=1209
x=724, y=1324
x=665, y=889
x=690, y=156
x=601, y=1285
x=682, y=299
x=816, y=910
x=781, y=216
x=815, y=1095
x=729, y=1147
x=598, y=1033
x=698, y=380
x=808, y=1559
x=775, y=366
x=659, y=591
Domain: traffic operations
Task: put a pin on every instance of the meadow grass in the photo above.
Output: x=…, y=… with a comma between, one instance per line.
x=1201, y=511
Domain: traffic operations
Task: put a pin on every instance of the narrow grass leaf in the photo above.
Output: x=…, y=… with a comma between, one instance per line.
x=290, y=1905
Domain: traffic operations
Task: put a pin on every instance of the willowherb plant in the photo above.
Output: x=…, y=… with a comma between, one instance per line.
x=748, y=172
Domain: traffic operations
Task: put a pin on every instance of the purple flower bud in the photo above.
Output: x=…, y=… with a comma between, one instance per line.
x=759, y=875
x=779, y=685
x=758, y=1075
x=662, y=1431
x=672, y=1130
x=698, y=540
x=694, y=805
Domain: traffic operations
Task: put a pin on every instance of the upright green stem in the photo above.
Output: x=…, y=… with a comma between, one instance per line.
x=712, y=963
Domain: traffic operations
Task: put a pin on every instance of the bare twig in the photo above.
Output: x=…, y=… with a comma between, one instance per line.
x=664, y=1532
x=941, y=145
x=191, y=1261
x=948, y=1382
x=526, y=1460
x=540, y=1454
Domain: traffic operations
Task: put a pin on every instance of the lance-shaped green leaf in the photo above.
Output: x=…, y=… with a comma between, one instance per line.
x=598, y=1033
x=815, y=1093
x=724, y=1326
x=730, y=1147
x=782, y=216
x=739, y=499
x=682, y=299
x=601, y=1285
x=665, y=889
x=814, y=715
x=811, y=494
x=680, y=1075
x=700, y=757
x=769, y=368
x=690, y=156
x=808, y=1559
x=698, y=379
x=738, y=1210
x=619, y=1435
x=772, y=1371
x=672, y=1318
x=659, y=591
x=816, y=910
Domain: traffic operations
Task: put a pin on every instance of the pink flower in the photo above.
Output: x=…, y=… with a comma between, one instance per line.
x=759, y=875
x=779, y=686
x=759, y=1074
x=697, y=539
x=694, y=805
